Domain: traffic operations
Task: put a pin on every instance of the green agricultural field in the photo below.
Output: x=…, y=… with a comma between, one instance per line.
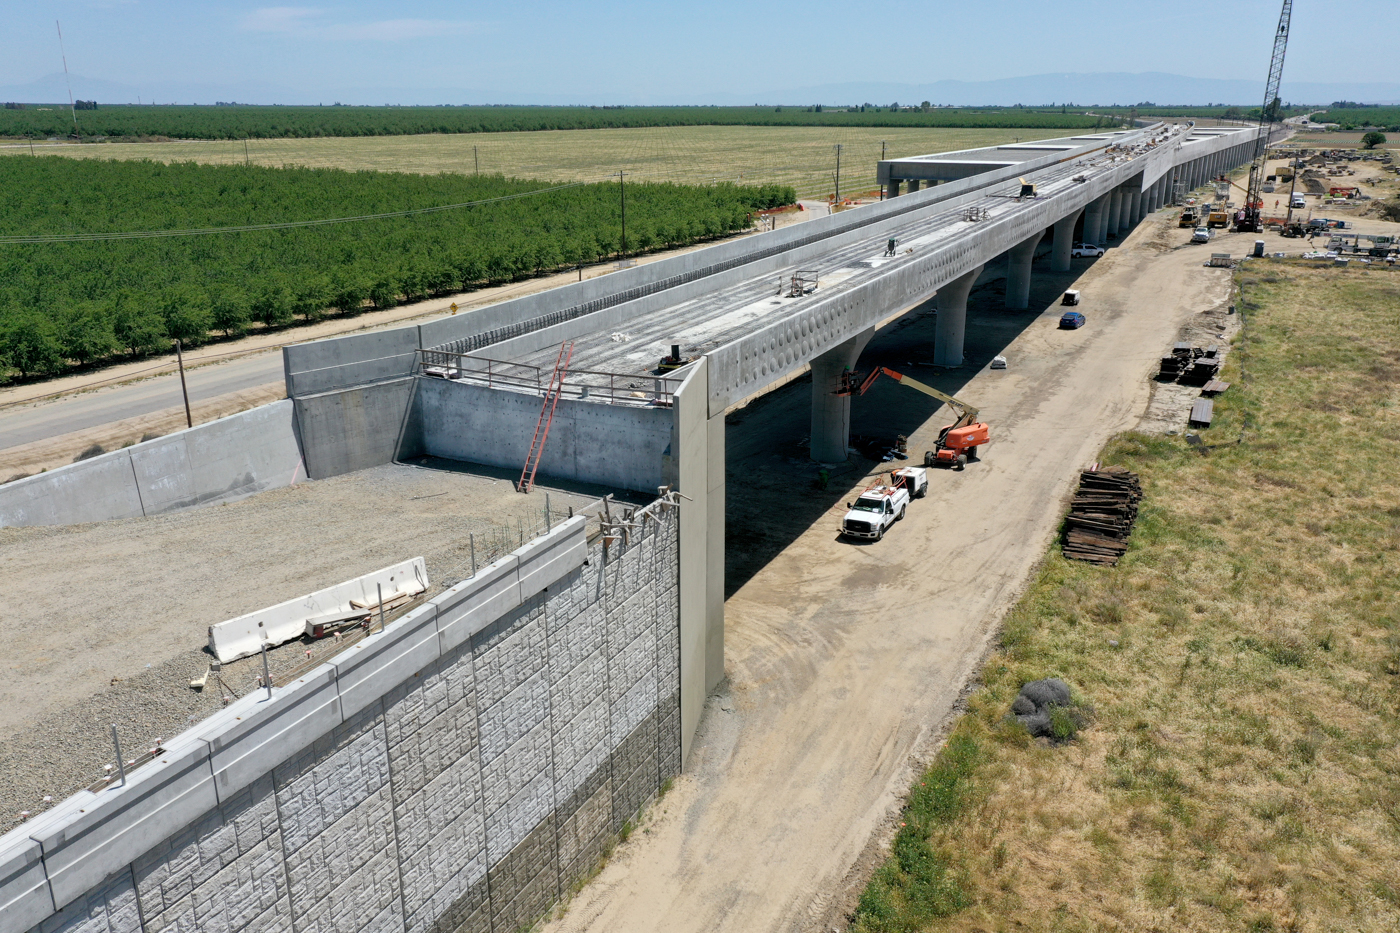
x=65, y=303
x=1238, y=770
x=803, y=157
x=1383, y=117
x=241, y=122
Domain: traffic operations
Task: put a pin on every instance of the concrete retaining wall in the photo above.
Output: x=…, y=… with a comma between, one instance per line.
x=344, y=430
x=457, y=771
x=612, y=445
x=220, y=461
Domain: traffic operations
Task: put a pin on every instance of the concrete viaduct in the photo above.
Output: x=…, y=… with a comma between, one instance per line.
x=468, y=387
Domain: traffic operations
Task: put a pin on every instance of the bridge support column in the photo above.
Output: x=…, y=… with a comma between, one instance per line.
x=1018, y=272
x=1115, y=214
x=892, y=188
x=1133, y=212
x=831, y=413
x=913, y=185
x=1064, y=242
x=952, y=319
x=1094, y=219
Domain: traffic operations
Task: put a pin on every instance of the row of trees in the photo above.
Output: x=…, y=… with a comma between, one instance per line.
x=78, y=303
x=1356, y=117
x=243, y=122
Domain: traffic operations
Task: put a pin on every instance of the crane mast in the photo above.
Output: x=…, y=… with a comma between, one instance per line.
x=1252, y=220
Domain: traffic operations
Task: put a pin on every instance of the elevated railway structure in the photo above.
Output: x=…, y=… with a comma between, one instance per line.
x=743, y=312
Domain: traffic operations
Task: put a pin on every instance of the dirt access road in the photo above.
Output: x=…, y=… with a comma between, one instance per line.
x=845, y=661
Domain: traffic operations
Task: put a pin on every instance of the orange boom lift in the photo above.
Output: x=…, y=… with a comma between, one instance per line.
x=957, y=443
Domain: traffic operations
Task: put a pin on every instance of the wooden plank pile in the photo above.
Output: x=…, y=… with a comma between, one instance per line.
x=1101, y=516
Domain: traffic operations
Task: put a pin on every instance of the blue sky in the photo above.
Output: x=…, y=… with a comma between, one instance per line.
x=634, y=51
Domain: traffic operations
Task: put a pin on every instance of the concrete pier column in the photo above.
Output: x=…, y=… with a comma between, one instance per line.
x=892, y=188
x=952, y=319
x=1094, y=220
x=831, y=413
x=1115, y=213
x=1064, y=242
x=1018, y=272
x=1135, y=208
x=913, y=185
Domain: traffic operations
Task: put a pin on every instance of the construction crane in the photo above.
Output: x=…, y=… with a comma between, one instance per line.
x=957, y=443
x=1251, y=219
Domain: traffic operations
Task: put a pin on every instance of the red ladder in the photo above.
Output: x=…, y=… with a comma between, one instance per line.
x=551, y=399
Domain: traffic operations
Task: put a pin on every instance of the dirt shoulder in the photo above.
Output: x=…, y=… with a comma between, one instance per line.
x=844, y=661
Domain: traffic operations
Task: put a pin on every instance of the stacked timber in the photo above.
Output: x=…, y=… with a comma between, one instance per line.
x=1201, y=372
x=1101, y=516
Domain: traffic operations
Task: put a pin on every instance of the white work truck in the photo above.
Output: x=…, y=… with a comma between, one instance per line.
x=875, y=510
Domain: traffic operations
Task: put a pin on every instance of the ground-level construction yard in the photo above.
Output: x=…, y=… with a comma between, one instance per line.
x=845, y=662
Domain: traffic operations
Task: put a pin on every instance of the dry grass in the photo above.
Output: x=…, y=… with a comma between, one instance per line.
x=1339, y=140
x=799, y=156
x=1244, y=661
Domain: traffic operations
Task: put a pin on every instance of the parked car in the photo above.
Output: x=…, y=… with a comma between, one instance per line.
x=1071, y=319
x=1086, y=251
x=1202, y=235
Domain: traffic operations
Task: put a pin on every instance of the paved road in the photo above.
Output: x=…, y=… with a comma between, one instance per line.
x=40, y=421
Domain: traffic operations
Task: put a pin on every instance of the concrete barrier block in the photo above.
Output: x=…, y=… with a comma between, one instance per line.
x=24, y=888
x=104, y=832
x=254, y=735
x=386, y=659
x=551, y=557
x=473, y=604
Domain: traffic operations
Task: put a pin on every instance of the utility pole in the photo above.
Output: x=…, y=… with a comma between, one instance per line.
x=838, y=174
x=882, y=158
x=622, y=196
x=476, y=159
x=247, y=160
x=184, y=389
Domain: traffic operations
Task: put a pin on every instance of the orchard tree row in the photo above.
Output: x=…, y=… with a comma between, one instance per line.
x=248, y=122
x=65, y=304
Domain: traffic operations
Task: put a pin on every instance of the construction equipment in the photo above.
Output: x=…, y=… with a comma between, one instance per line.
x=1027, y=189
x=1252, y=218
x=957, y=443
x=675, y=360
x=551, y=401
x=1188, y=216
x=1218, y=217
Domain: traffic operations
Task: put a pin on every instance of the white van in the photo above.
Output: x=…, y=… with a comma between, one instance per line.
x=1297, y=202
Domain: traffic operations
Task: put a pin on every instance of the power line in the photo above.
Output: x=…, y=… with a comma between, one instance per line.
x=289, y=225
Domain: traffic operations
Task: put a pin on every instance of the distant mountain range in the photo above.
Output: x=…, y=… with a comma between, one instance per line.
x=1083, y=90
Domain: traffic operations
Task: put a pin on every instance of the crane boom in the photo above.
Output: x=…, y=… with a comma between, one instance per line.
x=1252, y=220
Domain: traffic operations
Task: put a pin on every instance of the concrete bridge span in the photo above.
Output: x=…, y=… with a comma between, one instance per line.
x=369, y=398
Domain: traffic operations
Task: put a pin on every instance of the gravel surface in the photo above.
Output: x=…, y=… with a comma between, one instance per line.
x=107, y=623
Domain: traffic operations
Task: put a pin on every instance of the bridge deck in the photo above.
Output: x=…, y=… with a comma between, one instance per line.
x=700, y=325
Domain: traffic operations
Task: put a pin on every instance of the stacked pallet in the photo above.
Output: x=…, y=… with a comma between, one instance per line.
x=1101, y=516
x=1201, y=372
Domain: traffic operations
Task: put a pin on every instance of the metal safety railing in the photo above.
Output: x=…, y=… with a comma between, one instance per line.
x=590, y=385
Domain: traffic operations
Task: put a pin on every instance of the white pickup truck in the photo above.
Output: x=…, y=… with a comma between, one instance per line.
x=883, y=504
